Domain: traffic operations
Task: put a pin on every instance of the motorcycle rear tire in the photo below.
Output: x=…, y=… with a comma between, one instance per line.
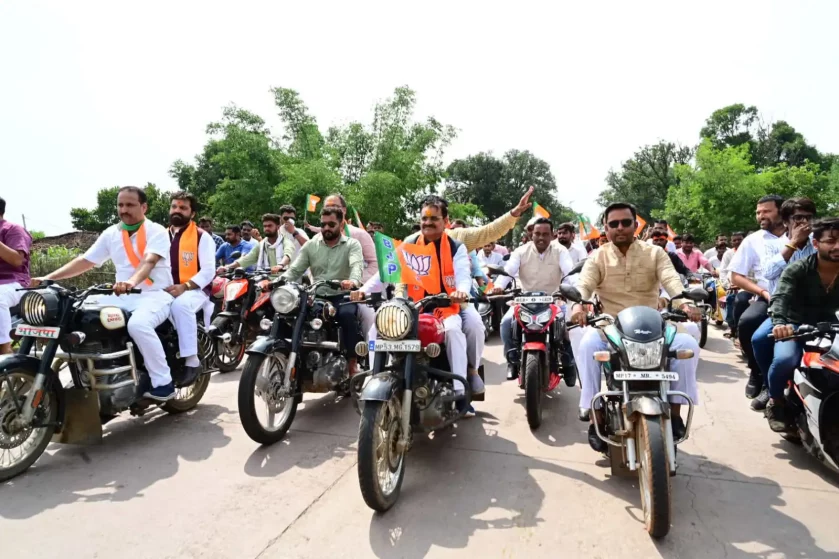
x=653, y=475
x=199, y=387
x=533, y=389
x=375, y=413
x=703, y=333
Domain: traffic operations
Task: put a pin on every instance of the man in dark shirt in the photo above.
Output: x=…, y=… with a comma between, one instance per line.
x=660, y=239
x=807, y=293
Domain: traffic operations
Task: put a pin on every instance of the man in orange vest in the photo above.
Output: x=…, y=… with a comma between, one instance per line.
x=192, y=254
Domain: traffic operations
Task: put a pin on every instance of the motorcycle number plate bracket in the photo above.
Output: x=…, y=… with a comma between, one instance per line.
x=396, y=346
x=546, y=299
x=48, y=332
x=645, y=375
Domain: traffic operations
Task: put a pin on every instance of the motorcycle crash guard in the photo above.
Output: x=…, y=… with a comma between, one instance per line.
x=380, y=387
x=646, y=405
x=16, y=361
x=264, y=345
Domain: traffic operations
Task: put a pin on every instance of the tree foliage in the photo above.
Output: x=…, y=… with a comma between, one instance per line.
x=105, y=213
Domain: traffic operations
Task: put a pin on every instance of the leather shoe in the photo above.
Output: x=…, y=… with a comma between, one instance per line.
x=585, y=414
x=596, y=442
x=678, y=427
x=512, y=371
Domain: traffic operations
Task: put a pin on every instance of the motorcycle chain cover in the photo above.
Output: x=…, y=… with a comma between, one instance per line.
x=82, y=424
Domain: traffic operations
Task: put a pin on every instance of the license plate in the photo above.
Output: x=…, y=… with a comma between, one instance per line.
x=545, y=299
x=645, y=375
x=48, y=332
x=395, y=346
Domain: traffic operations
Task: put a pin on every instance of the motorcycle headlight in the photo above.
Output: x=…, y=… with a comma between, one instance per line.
x=393, y=320
x=535, y=321
x=644, y=355
x=39, y=308
x=285, y=299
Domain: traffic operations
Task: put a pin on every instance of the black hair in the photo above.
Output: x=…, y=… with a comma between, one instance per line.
x=688, y=238
x=184, y=195
x=738, y=234
x=788, y=208
x=722, y=235
x=619, y=206
x=826, y=224
x=459, y=222
x=337, y=211
x=288, y=209
x=206, y=219
x=437, y=202
x=339, y=197
x=246, y=222
x=272, y=217
x=567, y=226
x=778, y=200
x=660, y=222
x=543, y=221
x=2, y=206
x=235, y=228
x=678, y=238
x=141, y=194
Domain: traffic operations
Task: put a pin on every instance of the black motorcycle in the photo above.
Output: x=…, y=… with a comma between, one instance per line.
x=108, y=374
x=302, y=352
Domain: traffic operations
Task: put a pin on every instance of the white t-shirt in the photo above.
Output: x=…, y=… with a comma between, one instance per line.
x=576, y=251
x=494, y=258
x=671, y=246
x=109, y=246
x=755, y=250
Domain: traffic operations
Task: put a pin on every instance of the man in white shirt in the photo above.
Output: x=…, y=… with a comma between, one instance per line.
x=566, y=236
x=140, y=252
x=541, y=265
x=192, y=256
x=718, y=250
x=662, y=225
x=757, y=249
x=488, y=257
x=289, y=214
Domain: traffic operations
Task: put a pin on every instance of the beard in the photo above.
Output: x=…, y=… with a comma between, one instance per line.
x=329, y=234
x=177, y=220
x=565, y=242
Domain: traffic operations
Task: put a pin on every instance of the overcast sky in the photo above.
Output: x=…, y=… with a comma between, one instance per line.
x=96, y=94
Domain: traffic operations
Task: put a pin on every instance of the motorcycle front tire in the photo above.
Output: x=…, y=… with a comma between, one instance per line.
x=653, y=475
x=374, y=415
x=247, y=405
x=703, y=333
x=533, y=389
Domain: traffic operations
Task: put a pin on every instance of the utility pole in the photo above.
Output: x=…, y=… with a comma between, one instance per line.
x=24, y=221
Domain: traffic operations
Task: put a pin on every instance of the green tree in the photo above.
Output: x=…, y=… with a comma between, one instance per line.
x=731, y=126
x=104, y=214
x=645, y=179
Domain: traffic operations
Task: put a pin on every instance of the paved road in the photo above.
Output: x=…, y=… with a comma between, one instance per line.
x=196, y=486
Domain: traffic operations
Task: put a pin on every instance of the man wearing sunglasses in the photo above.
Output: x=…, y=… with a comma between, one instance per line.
x=298, y=237
x=626, y=273
x=331, y=255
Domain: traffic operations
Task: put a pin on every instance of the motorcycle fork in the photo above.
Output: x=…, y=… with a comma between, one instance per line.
x=36, y=393
x=405, y=431
x=664, y=387
x=629, y=428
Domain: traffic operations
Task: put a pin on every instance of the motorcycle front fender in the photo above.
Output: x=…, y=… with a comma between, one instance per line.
x=535, y=346
x=381, y=387
x=264, y=345
x=647, y=405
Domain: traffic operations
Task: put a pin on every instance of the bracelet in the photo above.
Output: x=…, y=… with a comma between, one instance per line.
x=792, y=247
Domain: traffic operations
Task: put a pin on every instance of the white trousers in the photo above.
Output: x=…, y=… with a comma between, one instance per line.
x=473, y=329
x=692, y=328
x=183, y=316
x=367, y=318
x=9, y=297
x=148, y=311
x=590, y=376
x=455, y=347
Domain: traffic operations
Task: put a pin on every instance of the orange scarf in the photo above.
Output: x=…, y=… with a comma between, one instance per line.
x=188, y=253
x=445, y=264
x=141, y=246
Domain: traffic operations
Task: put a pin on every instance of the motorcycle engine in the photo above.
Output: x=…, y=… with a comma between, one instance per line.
x=327, y=371
x=434, y=409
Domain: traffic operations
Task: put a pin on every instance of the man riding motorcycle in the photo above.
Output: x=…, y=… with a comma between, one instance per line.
x=192, y=256
x=15, y=243
x=626, y=272
x=274, y=252
x=140, y=251
x=566, y=236
x=659, y=239
x=540, y=265
x=692, y=258
x=331, y=255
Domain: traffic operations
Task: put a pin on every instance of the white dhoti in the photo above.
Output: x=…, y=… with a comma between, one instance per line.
x=183, y=312
x=473, y=329
x=148, y=311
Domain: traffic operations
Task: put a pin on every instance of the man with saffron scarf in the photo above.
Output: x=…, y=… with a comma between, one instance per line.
x=139, y=250
x=192, y=255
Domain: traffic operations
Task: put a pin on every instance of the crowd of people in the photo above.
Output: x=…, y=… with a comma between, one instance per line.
x=773, y=280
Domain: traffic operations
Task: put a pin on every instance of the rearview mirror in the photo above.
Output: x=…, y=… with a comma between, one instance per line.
x=497, y=270
x=236, y=255
x=570, y=293
x=506, y=257
x=578, y=267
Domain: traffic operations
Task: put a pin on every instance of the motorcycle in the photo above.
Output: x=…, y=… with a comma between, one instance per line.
x=813, y=395
x=302, y=352
x=492, y=309
x=709, y=309
x=409, y=389
x=638, y=428
x=246, y=314
x=108, y=374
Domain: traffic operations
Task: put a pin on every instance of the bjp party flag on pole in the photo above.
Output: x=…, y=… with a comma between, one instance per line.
x=357, y=218
x=641, y=224
x=670, y=233
x=540, y=211
x=407, y=263
x=587, y=230
x=312, y=203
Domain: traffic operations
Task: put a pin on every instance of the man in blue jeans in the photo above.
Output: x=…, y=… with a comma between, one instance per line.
x=797, y=214
x=807, y=293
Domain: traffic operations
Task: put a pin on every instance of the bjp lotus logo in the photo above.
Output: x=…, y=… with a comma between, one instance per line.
x=188, y=257
x=420, y=265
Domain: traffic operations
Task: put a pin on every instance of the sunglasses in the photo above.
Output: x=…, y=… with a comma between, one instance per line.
x=622, y=222
x=801, y=218
x=287, y=217
x=329, y=224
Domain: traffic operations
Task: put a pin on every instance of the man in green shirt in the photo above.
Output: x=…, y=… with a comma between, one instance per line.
x=332, y=256
x=275, y=251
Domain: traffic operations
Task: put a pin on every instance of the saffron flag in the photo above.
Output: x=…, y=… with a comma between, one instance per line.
x=357, y=218
x=312, y=203
x=540, y=211
x=587, y=230
x=670, y=233
x=407, y=263
x=641, y=224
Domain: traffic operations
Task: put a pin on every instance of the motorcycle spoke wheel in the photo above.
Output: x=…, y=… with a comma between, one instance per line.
x=266, y=407
x=381, y=466
x=20, y=445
